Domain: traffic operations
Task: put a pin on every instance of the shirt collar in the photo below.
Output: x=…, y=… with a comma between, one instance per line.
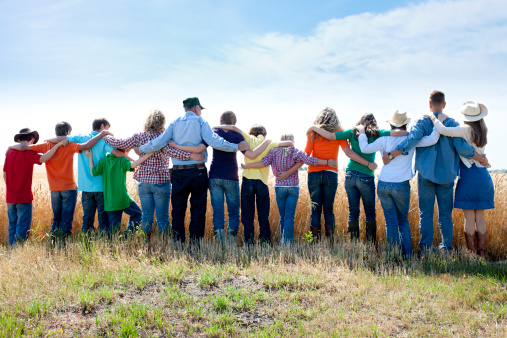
x=190, y=113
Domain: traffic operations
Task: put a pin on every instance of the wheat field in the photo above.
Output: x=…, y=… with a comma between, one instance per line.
x=497, y=227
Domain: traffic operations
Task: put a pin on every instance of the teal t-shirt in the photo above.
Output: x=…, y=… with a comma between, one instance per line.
x=354, y=144
x=114, y=179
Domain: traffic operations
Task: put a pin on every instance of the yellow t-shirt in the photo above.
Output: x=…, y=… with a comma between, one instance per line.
x=262, y=173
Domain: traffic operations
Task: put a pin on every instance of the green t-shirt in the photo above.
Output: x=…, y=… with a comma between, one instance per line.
x=354, y=144
x=114, y=179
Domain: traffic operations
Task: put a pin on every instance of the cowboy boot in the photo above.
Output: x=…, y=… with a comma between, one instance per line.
x=371, y=231
x=471, y=242
x=353, y=230
x=330, y=232
x=315, y=233
x=481, y=243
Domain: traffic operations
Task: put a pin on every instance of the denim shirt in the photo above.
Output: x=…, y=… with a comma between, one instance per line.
x=438, y=163
x=189, y=130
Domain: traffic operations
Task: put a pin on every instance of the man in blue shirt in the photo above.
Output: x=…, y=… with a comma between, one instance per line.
x=438, y=168
x=190, y=177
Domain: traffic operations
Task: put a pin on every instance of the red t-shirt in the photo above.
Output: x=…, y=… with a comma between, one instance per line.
x=18, y=170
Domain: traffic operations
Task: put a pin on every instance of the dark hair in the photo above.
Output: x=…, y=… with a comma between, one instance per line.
x=370, y=126
x=228, y=117
x=257, y=130
x=98, y=122
x=479, y=132
x=403, y=127
x=189, y=108
x=62, y=128
x=26, y=137
x=437, y=97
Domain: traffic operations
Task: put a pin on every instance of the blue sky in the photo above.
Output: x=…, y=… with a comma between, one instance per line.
x=276, y=63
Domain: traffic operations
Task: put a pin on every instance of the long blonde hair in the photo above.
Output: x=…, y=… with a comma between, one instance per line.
x=286, y=137
x=155, y=121
x=326, y=120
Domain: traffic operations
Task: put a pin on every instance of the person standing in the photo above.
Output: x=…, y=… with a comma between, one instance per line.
x=190, y=178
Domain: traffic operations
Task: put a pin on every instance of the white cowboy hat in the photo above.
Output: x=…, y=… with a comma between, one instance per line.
x=399, y=119
x=473, y=111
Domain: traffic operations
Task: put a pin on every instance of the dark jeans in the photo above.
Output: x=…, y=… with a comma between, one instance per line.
x=20, y=219
x=64, y=204
x=94, y=201
x=357, y=186
x=252, y=192
x=132, y=210
x=185, y=182
x=322, y=187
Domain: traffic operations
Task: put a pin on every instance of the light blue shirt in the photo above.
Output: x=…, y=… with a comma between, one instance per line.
x=85, y=181
x=189, y=130
x=438, y=163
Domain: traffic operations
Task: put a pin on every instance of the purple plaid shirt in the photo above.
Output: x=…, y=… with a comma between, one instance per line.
x=279, y=163
x=154, y=170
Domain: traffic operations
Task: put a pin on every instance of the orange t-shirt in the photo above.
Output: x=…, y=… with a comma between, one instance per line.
x=60, y=168
x=324, y=150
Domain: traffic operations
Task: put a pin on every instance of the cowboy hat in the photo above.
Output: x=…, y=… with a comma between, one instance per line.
x=27, y=131
x=473, y=111
x=399, y=119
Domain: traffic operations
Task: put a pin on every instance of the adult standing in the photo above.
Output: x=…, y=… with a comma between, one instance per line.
x=190, y=178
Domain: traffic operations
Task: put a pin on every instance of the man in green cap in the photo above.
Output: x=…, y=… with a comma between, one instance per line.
x=190, y=177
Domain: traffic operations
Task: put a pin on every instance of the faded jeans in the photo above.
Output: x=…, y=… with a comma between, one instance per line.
x=287, y=201
x=20, y=219
x=155, y=197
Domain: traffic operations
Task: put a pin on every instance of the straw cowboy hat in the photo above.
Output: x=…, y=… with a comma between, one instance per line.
x=398, y=119
x=27, y=131
x=473, y=111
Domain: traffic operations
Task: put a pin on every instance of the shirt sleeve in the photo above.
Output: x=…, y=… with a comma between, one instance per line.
x=302, y=157
x=460, y=145
x=429, y=140
x=343, y=134
x=176, y=153
x=36, y=158
x=78, y=138
x=214, y=140
x=74, y=147
x=309, y=144
x=41, y=148
x=368, y=148
x=343, y=144
x=125, y=143
x=159, y=142
x=126, y=164
x=99, y=168
x=450, y=131
x=415, y=135
x=268, y=159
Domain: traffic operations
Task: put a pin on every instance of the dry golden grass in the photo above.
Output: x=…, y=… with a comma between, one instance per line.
x=497, y=227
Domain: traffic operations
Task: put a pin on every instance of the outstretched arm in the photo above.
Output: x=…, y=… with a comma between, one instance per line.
x=93, y=141
x=140, y=160
x=324, y=133
x=56, y=139
x=191, y=149
x=19, y=146
x=356, y=157
x=119, y=153
x=252, y=165
x=285, y=144
x=47, y=156
x=229, y=127
x=251, y=154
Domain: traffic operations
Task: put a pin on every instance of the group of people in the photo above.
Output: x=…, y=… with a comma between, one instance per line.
x=443, y=150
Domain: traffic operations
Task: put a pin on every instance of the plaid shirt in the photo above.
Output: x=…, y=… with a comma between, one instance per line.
x=279, y=164
x=155, y=169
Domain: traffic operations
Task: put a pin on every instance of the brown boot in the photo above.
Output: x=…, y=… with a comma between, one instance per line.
x=316, y=233
x=330, y=233
x=471, y=242
x=481, y=243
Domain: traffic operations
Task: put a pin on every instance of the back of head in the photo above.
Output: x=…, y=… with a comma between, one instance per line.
x=286, y=137
x=370, y=126
x=228, y=117
x=62, y=128
x=257, y=130
x=97, y=123
x=479, y=132
x=26, y=138
x=155, y=121
x=437, y=99
x=327, y=120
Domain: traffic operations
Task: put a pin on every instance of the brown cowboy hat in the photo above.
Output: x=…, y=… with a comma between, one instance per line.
x=27, y=131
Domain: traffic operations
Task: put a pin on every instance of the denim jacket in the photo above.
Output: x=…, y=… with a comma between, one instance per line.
x=438, y=163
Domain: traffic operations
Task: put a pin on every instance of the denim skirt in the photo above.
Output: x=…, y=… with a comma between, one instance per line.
x=474, y=190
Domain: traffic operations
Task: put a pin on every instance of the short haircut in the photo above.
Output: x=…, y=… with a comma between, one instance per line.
x=98, y=122
x=189, y=108
x=257, y=130
x=62, y=128
x=26, y=137
x=437, y=97
x=228, y=117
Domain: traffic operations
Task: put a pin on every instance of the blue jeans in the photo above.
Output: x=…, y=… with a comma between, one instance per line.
x=395, y=200
x=218, y=189
x=322, y=187
x=287, y=200
x=255, y=192
x=20, y=219
x=132, y=210
x=357, y=186
x=64, y=204
x=93, y=201
x=155, y=197
x=444, y=194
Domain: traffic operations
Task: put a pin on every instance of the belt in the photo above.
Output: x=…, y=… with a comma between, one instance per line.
x=189, y=166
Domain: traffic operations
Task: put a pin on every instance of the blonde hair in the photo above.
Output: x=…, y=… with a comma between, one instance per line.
x=155, y=121
x=326, y=120
x=286, y=137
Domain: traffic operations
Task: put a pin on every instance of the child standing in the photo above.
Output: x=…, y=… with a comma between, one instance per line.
x=287, y=191
x=116, y=198
x=18, y=170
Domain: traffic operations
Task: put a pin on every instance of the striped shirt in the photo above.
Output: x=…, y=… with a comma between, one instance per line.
x=279, y=163
x=155, y=169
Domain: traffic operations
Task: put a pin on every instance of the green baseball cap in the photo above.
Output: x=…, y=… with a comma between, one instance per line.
x=192, y=101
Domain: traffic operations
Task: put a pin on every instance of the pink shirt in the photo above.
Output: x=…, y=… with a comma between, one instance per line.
x=280, y=163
